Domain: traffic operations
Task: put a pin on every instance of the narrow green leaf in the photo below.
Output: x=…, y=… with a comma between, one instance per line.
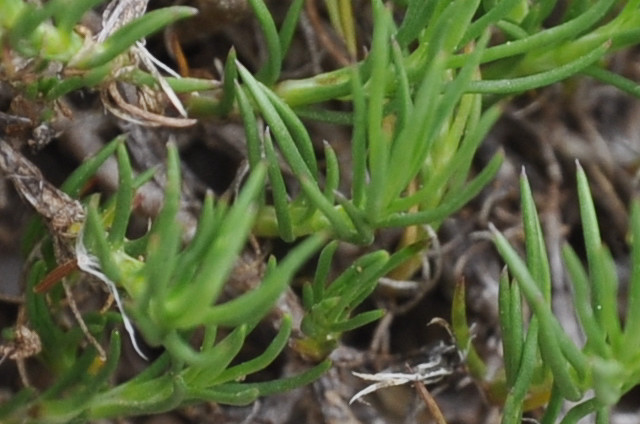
x=297, y=129
x=359, y=141
x=361, y=285
x=365, y=232
x=228, y=86
x=320, y=114
x=299, y=155
x=25, y=25
x=550, y=330
x=213, y=361
x=289, y=25
x=609, y=292
x=358, y=321
x=530, y=82
x=521, y=383
x=250, y=127
x=74, y=183
x=236, y=396
x=154, y=396
x=322, y=271
x=279, y=191
x=285, y=384
x=460, y=327
x=403, y=101
x=271, y=69
x=182, y=308
x=90, y=78
x=493, y=15
x=601, y=286
x=596, y=336
x=450, y=205
x=191, y=256
x=412, y=143
x=72, y=377
x=579, y=411
x=415, y=19
x=332, y=179
x=144, y=177
x=537, y=260
x=543, y=39
x=124, y=196
x=95, y=232
x=511, y=326
x=347, y=27
x=339, y=224
x=455, y=22
x=125, y=37
x=255, y=304
x=512, y=31
x=39, y=314
x=260, y=362
x=69, y=13
x=444, y=110
x=454, y=174
x=475, y=135
x=316, y=89
x=554, y=407
x=379, y=139
x=625, y=84
x=345, y=283
x=164, y=238
x=180, y=85
x=632, y=324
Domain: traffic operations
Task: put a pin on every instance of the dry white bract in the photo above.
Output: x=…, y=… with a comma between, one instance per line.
x=442, y=361
x=117, y=14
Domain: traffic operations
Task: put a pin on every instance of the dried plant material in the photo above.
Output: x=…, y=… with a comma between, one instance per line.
x=117, y=14
x=14, y=124
x=116, y=104
x=83, y=325
x=55, y=275
x=23, y=344
x=62, y=213
x=91, y=265
x=441, y=362
x=430, y=402
x=65, y=216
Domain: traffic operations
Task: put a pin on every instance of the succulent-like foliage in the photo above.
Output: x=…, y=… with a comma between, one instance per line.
x=51, y=58
x=542, y=365
x=418, y=105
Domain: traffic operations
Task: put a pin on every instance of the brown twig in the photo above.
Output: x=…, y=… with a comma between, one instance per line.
x=430, y=402
x=116, y=104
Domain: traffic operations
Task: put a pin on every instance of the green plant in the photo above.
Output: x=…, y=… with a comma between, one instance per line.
x=542, y=365
x=40, y=35
x=418, y=106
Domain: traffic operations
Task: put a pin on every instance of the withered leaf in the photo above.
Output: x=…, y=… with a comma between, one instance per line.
x=59, y=210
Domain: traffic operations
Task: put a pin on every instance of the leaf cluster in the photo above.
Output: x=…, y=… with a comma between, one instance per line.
x=543, y=365
x=418, y=107
x=51, y=57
